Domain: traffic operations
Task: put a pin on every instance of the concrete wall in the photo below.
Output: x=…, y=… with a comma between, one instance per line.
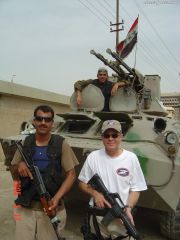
x=17, y=104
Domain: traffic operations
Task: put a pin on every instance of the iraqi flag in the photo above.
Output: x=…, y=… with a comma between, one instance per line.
x=126, y=46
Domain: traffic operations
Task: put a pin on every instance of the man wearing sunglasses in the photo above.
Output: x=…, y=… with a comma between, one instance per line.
x=54, y=157
x=121, y=173
x=107, y=87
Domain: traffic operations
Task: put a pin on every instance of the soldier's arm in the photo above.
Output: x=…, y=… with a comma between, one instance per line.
x=99, y=199
x=118, y=85
x=131, y=202
x=68, y=162
x=70, y=177
x=14, y=165
x=19, y=167
x=78, y=87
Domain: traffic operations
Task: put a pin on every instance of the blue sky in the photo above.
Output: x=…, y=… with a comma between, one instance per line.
x=46, y=43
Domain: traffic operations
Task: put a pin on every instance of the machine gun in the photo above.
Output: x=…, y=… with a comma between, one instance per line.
x=116, y=211
x=130, y=74
x=120, y=61
x=40, y=188
x=110, y=64
x=137, y=82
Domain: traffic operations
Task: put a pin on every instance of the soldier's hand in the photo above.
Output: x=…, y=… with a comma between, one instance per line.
x=79, y=100
x=24, y=170
x=48, y=207
x=100, y=201
x=54, y=204
x=129, y=215
x=116, y=86
x=114, y=89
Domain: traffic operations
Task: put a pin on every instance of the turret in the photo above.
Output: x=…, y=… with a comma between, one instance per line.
x=135, y=80
x=139, y=95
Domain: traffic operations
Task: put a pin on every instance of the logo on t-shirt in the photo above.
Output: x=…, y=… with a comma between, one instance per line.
x=123, y=172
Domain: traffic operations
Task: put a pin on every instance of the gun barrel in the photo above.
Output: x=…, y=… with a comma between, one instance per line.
x=98, y=55
x=92, y=52
x=42, y=189
x=119, y=59
x=109, y=64
x=20, y=149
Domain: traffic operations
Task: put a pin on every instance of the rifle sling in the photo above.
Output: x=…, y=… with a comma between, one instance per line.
x=96, y=227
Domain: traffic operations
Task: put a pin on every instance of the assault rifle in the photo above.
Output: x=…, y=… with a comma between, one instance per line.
x=40, y=188
x=116, y=211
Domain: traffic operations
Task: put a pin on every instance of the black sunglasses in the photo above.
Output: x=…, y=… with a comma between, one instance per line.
x=40, y=119
x=107, y=135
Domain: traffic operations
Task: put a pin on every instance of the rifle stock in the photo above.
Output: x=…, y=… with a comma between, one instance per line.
x=116, y=210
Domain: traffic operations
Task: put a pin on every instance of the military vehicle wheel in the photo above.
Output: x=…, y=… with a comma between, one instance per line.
x=177, y=221
x=167, y=225
x=170, y=224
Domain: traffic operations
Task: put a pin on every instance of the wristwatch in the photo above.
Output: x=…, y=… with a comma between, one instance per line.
x=128, y=206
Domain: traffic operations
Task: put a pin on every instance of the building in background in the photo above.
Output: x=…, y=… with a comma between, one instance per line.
x=171, y=112
x=17, y=104
x=172, y=101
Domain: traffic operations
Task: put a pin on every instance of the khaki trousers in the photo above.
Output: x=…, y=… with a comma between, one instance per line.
x=36, y=225
x=113, y=229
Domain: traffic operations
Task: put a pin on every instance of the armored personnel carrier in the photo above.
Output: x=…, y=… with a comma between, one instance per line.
x=147, y=131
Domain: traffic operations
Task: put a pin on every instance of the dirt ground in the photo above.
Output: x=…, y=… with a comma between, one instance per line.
x=145, y=222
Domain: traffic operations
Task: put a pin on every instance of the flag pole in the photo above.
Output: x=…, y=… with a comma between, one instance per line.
x=136, y=49
x=135, y=57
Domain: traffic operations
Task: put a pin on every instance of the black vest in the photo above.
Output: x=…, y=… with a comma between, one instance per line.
x=52, y=174
x=106, y=88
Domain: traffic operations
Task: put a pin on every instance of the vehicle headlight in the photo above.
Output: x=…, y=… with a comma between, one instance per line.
x=171, y=138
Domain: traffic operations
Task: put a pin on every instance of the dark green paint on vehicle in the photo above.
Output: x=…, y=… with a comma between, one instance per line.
x=132, y=136
x=142, y=159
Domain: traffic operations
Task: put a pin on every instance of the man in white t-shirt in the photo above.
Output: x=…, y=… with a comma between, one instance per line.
x=120, y=172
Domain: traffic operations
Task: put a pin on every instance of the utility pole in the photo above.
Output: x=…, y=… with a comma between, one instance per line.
x=12, y=78
x=117, y=24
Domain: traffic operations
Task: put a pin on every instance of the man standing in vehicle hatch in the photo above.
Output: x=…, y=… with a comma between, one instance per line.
x=53, y=156
x=107, y=87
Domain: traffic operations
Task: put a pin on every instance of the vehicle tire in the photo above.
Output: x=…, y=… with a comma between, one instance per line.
x=170, y=223
x=167, y=225
x=177, y=222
